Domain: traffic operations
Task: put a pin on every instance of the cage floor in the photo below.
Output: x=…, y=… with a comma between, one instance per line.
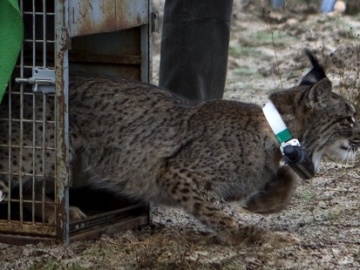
x=104, y=211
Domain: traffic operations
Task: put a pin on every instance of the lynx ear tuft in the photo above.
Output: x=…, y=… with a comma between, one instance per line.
x=319, y=94
x=316, y=74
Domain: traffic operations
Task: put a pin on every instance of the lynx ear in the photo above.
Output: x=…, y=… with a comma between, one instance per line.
x=319, y=94
x=316, y=74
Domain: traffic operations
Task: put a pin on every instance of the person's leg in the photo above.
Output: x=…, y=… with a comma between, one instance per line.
x=194, y=48
x=327, y=6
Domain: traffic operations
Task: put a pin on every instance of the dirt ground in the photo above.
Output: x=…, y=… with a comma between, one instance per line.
x=265, y=55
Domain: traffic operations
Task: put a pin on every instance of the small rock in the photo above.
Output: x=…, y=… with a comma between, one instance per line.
x=292, y=21
x=322, y=205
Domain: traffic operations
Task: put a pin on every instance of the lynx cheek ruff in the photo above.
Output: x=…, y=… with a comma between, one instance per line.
x=294, y=155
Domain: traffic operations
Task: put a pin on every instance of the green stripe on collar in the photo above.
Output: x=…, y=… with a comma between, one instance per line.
x=283, y=136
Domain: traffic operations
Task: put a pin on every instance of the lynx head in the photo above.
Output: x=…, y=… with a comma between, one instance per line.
x=325, y=121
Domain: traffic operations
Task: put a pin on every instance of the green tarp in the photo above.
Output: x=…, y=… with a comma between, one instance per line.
x=11, y=38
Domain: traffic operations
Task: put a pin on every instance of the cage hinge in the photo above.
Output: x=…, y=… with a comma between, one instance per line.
x=43, y=80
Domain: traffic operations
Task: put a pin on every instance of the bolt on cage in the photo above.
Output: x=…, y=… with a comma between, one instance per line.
x=110, y=37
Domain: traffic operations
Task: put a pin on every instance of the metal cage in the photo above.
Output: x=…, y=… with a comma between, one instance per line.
x=103, y=36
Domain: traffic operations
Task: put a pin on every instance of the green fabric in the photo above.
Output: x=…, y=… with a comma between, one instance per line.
x=11, y=38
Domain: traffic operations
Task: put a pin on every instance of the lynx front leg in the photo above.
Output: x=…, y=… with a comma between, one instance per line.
x=276, y=194
x=48, y=214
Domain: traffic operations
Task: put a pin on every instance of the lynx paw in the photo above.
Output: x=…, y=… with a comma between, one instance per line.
x=257, y=204
x=281, y=237
x=255, y=235
x=75, y=214
x=4, y=191
x=235, y=237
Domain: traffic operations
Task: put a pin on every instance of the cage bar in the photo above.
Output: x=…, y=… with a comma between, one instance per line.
x=114, y=38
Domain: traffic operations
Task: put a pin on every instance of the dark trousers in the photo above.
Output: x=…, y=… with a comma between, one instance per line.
x=194, y=48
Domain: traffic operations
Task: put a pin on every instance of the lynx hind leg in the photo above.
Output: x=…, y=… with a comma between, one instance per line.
x=276, y=194
x=184, y=190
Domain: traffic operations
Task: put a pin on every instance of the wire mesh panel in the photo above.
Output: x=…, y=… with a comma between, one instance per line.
x=34, y=121
x=28, y=146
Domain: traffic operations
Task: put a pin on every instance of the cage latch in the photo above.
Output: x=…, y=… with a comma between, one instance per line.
x=43, y=80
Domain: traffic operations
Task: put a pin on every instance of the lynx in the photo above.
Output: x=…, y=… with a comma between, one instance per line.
x=143, y=142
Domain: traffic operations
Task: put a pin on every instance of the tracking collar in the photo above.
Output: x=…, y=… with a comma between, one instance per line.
x=294, y=155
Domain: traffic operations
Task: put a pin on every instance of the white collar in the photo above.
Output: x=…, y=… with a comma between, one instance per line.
x=276, y=123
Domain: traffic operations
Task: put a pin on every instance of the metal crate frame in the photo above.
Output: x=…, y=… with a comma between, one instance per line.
x=47, y=77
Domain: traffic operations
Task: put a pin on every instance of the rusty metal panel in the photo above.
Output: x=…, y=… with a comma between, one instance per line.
x=62, y=120
x=89, y=228
x=114, y=53
x=28, y=228
x=95, y=16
